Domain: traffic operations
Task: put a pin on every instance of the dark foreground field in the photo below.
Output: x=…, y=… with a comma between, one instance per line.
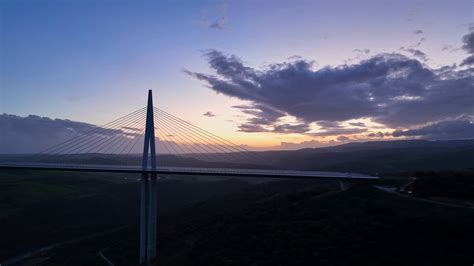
x=230, y=222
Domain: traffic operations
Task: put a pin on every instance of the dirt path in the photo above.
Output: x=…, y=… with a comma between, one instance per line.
x=38, y=251
x=104, y=258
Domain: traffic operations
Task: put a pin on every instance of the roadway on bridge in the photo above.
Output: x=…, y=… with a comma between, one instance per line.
x=192, y=171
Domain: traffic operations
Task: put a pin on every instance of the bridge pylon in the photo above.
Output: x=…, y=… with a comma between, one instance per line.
x=148, y=191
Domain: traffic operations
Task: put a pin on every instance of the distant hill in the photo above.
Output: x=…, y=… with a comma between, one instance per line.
x=376, y=157
x=400, y=144
x=382, y=157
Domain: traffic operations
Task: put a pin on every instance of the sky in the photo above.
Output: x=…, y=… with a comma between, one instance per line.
x=265, y=74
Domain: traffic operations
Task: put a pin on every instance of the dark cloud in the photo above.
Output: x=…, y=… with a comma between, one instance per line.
x=416, y=32
x=417, y=53
x=260, y=115
x=363, y=51
x=468, y=46
x=35, y=133
x=287, y=128
x=209, y=114
x=462, y=128
x=252, y=128
x=468, y=61
x=337, y=131
x=343, y=139
x=357, y=124
x=334, y=128
x=468, y=42
x=329, y=124
x=390, y=88
x=376, y=135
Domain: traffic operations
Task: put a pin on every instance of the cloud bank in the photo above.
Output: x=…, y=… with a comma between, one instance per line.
x=34, y=133
x=209, y=114
x=468, y=46
x=450, y=129
x=392, y=89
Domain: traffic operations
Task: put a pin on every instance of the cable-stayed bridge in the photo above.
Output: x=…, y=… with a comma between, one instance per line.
x=153, y=143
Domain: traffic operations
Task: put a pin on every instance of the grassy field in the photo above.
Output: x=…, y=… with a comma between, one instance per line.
x=231, y=222
x=42, y=208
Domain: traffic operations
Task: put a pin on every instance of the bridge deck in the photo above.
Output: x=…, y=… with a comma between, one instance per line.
x=169, y=171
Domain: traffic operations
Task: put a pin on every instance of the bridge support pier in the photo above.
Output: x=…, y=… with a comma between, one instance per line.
x=143, y=218
x=151, y=251
x=148, y=219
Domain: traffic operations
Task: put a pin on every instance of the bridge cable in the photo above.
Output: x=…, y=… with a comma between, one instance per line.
x=82, y=135
x=231, y=150
x=233, y=146
x=201, y=139
x=87, y=143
